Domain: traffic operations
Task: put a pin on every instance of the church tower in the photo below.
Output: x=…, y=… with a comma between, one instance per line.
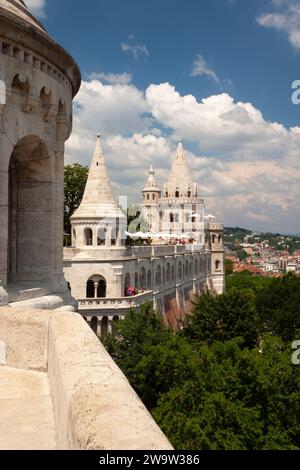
x=151, y=195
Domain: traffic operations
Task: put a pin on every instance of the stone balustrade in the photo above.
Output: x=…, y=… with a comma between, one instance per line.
x=120, y=303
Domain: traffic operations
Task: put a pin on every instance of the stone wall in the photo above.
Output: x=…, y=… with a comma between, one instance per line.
x=95, y=407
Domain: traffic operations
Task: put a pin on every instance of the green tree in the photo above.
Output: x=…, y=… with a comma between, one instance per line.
x=279, y=307
x=75, y=178
x=223, y=317
x=228, y=267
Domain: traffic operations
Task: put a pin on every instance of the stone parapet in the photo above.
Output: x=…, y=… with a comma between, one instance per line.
x=95, y=408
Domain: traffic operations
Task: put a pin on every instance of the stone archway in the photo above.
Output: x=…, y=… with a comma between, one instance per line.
x=31, y=202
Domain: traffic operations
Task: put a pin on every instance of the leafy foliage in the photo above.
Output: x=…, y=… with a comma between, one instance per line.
x=74, y=185
x=226, y=381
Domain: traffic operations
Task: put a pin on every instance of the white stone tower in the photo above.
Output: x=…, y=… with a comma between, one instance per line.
x=180, y=209
x=151, y=195
x=38, y=80
x=99, y=221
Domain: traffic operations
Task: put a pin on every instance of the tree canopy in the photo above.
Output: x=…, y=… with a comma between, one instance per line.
x=226, y=380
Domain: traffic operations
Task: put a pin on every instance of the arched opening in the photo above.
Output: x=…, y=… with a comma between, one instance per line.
x=96, y=287
x=176, y=193
x=143, y=279
x=158, y=277
x=168, y=273
x=218, y=264
x=149, y=281
x=115, y=321
x=90, y=289
x=88, y=237
x=179, y=270
x=213, y=238
x=196, y=266
x=94, y=324
x=219, y=238
x=101, y=289
x=173, y=273
x=127, y=284
x=31, y=201
x=104, y=326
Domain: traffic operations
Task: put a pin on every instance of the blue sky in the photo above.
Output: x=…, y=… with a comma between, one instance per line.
x=147, y=66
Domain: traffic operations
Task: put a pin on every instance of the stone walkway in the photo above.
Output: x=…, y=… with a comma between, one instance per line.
x=26, y=411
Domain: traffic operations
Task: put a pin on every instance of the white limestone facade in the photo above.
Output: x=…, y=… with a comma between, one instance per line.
x=38, y=81
x=101, y=269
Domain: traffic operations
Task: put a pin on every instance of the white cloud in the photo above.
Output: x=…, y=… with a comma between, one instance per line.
x=135, y=48
x=285, y=16
x=200, y=67
x=37, y=7
x=253, y=178
x=113, y=78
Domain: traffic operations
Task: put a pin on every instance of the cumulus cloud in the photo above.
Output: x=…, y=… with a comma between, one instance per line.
x=248, y=169
x=37, y=7
x=284, y=16
x=135, y=48
x=200, y=67
x=112, y=78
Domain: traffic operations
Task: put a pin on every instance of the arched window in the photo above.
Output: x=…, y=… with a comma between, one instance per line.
x=173, y=273
x=101, y=289
x=176, y=193
x=218, y=264
x=96, y=287
x=213, y=238
x=90, y=289
x=171, y=218
x=88, y=236
x=220, y=238
x=127, y=284
x=104, y=326
x=189, y=194
x=136, y=280
x=94, y=324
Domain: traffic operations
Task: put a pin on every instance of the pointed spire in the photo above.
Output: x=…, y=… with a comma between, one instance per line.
x=180, y=150
x=98, y=200
x=180, y=179
x=151, y=184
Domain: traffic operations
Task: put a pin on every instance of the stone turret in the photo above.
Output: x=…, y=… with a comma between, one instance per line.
x=38, y=80
x=151, y=194
x=99, y=221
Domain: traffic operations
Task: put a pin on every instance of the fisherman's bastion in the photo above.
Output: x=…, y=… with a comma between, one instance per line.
x=59, y=388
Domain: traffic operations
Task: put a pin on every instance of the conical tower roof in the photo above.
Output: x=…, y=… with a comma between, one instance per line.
x=180, y=178
x=151, y=184
x=98, y=200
